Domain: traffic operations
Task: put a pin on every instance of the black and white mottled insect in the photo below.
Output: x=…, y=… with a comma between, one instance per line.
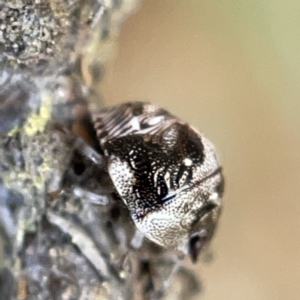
x=165, y=171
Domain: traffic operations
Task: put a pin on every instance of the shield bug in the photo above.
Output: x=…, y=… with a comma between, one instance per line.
x=167, y=174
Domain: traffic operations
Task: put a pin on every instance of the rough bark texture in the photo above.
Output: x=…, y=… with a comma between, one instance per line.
x=65, y=233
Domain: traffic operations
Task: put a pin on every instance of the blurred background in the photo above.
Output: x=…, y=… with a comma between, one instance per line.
x=232, y=69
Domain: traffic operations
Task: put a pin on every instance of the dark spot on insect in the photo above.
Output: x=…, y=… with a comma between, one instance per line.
x=162, y=189
x=186, y=208
x=183, y=170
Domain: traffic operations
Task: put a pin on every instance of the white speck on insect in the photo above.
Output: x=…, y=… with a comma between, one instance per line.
x=187, y=162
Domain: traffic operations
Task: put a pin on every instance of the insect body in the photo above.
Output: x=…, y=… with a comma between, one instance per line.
x=166, y=172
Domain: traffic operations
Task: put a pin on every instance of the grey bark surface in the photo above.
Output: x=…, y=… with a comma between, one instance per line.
x=65, y=233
